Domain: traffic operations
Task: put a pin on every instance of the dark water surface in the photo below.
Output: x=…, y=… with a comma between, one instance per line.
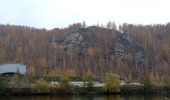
x=89, y=97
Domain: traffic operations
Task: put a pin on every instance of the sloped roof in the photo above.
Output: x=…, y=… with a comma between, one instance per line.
x=12, y=68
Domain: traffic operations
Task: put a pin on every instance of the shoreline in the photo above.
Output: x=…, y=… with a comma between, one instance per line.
x=124, y=91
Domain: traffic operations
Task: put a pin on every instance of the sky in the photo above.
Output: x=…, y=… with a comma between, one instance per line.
x=61, y=13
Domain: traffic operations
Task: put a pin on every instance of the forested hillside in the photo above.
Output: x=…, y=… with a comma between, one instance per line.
x=132, y=51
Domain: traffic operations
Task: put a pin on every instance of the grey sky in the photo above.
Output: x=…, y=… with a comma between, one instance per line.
x=60, y=13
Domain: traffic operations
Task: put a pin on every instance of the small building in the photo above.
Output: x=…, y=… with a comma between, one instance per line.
x=13, y=68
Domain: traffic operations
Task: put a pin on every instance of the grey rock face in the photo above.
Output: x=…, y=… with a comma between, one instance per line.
x=72, y=39
x=125, y=44
x=83, y=38
x=86, y=37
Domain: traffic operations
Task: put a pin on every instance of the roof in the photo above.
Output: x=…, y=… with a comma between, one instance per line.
x=12, y=68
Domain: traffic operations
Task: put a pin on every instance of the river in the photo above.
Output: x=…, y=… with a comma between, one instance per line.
x=89, y=97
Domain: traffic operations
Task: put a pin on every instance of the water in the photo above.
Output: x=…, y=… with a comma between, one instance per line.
x=88, y=97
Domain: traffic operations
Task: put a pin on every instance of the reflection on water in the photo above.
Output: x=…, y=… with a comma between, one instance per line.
x=88, y=97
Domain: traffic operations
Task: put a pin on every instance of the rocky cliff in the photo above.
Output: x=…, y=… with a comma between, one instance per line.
x=126, y=44
x=123, y=45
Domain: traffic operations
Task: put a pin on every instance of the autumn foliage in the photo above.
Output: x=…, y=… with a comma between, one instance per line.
x=40, y=50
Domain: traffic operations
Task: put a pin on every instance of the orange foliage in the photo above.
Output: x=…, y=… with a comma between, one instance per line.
x=71, y=72
x=91, y=51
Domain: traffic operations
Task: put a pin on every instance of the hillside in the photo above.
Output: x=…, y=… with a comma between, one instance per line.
x=137, y=50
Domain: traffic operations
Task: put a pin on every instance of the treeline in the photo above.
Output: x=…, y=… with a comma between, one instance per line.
x=40, y=50
x=18, y=85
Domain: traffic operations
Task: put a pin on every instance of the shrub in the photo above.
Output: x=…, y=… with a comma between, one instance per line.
x=165, y=81
x=89, y=81
x=64, y=86
x=3, y=83
x=42, y=86
x=112, y=83
x=14, y=81
x=147, y=85
x=63, y=80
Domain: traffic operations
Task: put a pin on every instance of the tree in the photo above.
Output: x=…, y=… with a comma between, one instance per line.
x=64, y=81
x=20, y=55
x=44, y=65
x=146, y=82
x=64, y=86
x=84, y=24
x=89, y=81
x=152, y=78
x=91, y=51
x=42, y=86
x=112, y=83
x=31, y=71
x=129, y=77
x=71, y=72
x=165, y=80
x=111, y=25
x=43, y=49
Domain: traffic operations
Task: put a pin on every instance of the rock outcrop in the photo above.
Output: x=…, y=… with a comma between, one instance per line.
x=84, y=38
x=125, y=44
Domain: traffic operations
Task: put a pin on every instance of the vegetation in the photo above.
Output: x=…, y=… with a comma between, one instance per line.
x=147, y=85
x=42, y=86
x=15, y=81
x=64, y=86
x=89, y=81
x=40, y=50
x=22, y=85
x=3, y=83
x=166, y=81
x=112, y=83
x=46, y=56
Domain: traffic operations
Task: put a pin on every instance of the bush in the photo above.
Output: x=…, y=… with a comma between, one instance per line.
x=147, y=85
x=42, y=86
x=89, y=81
x=165, y=81
x=3, y=82
x=64, y=81
x=14, y=81
x=112, y=83
x=64, y=86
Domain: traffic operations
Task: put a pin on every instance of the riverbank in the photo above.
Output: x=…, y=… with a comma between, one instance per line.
x=25, y=85
x=85, y=91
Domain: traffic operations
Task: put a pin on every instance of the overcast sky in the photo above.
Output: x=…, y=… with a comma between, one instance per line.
x=61, y=13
